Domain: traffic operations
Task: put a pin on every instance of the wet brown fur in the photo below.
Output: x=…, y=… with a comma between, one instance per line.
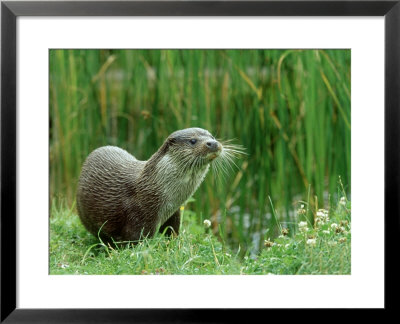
x=122, y=199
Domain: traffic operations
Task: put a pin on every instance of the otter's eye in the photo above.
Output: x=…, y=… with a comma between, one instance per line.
x=193, y=141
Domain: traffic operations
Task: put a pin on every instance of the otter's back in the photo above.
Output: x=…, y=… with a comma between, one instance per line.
x=106, y=181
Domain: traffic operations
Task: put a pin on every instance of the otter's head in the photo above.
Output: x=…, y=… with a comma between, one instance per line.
x=192, y=150
x=193, y=147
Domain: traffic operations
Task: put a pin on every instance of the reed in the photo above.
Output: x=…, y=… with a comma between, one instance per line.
x=289, y=110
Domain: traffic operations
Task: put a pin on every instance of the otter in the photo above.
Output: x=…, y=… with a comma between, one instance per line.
x=123, y=199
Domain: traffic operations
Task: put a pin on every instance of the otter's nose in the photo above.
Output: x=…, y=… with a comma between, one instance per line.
x=213, y=146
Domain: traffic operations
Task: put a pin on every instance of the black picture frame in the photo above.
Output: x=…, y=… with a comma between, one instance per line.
x=10, y=10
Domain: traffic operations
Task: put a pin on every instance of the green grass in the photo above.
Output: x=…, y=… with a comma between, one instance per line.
x=290, y=109
x=322, y=248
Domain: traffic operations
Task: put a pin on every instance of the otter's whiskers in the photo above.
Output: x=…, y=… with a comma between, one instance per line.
x=222, y=165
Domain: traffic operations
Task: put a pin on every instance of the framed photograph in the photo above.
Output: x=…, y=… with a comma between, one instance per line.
x=163, y=158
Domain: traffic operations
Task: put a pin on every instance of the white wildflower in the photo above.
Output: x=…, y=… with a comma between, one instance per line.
x=322, y=213
x=342, y=201
x=301, y=211
x=207, y=223
x=322, y=216
x=311, y=242
x=334, y=226
x=303, y=227
x=326, y=231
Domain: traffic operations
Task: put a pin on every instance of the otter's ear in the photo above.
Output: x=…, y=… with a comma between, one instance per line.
x=169, y=142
